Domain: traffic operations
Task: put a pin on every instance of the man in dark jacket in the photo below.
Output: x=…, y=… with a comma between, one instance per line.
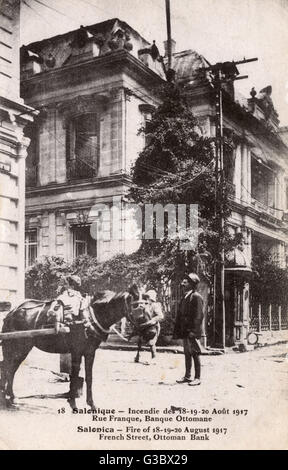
x=188, y=327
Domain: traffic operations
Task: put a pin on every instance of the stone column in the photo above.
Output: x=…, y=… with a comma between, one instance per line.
x=60, y=147
x=248, y=175
x=244, y=165
x=237, y=173
x=47, y=145
x=105, y=143
x=281, y=255
x=281, y=193
x=117, y=101
x=52, y=233
x=22, y=153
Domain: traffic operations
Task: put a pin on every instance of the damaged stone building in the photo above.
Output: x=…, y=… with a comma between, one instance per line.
x=94, y=88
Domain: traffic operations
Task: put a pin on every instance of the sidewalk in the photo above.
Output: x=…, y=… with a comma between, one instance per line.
x=115, y=343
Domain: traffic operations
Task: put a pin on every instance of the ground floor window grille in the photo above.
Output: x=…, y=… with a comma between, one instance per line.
x=275, y=317
x=83, y=243
x=254, y=321
x=31, y=247
x=265, y=317
x=284, y=317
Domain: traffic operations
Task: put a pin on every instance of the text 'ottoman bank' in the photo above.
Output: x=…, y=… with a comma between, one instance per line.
x=95, y=87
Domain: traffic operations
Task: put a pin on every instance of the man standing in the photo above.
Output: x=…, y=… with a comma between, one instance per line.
x=188, y=327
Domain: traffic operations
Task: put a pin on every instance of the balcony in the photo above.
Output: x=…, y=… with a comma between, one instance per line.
x=80, y=169
x=267, y=210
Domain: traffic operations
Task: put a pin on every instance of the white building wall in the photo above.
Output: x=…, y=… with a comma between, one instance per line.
x=134, y=120
x=12, y=157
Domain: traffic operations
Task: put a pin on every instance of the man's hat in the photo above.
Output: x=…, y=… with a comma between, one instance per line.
x=192, y=278
x=152, y=295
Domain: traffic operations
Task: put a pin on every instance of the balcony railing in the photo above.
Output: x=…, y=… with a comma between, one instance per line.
x=261, y=207
x=80, y=169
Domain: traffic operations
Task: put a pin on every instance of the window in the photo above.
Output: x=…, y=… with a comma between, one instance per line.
x=262, y=183
x=83, y=146
x=146, y=111
x=31, y=247
x=83, y=243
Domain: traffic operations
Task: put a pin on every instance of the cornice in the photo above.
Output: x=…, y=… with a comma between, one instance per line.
x=67, y=206
x=15, y=105
x=261, y=217
x=250, y=123
x=79, y=185
x=120, y=59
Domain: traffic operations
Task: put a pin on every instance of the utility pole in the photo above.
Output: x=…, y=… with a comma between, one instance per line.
x=221, y=73
x=168, y=22
x=169, y=72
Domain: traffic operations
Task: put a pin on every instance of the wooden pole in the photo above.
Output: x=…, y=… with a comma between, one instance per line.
x=259, y=317
x=31, y=333
x=168, y=21
x=270, y=317
x=219, y=202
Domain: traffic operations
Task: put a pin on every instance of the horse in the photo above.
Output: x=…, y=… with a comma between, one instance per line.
x=106, y=309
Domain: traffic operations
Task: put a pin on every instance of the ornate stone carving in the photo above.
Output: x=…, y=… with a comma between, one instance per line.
x=146, y=108
x=50, y=61
x=83, y=104
x=120, y=39
x=82, y=217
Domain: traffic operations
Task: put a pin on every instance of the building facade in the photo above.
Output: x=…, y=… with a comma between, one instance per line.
x=13, y=144
x=93, y=95
x=94, y=88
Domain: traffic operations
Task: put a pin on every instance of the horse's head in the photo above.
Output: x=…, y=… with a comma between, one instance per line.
x=140, y=306
x=109, y=307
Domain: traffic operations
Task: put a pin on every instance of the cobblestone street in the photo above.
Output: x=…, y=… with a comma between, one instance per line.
x=254, y=381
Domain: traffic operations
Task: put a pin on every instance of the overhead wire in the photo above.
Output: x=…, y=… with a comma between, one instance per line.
x=96, y=6
x=106, y=11
x=37, y=13
x=55, y=10
x=262, y=203
x=174, y=174
x=161, y=173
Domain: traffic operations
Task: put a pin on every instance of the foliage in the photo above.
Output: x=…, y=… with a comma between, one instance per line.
x=45, y=276
x=177, y=167
x=269, y=283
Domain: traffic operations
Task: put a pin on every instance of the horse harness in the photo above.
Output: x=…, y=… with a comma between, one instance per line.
x=102, y=333
x=99, y=331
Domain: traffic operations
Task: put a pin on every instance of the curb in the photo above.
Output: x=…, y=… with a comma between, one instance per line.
x=179, y=349
x=160, y=349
